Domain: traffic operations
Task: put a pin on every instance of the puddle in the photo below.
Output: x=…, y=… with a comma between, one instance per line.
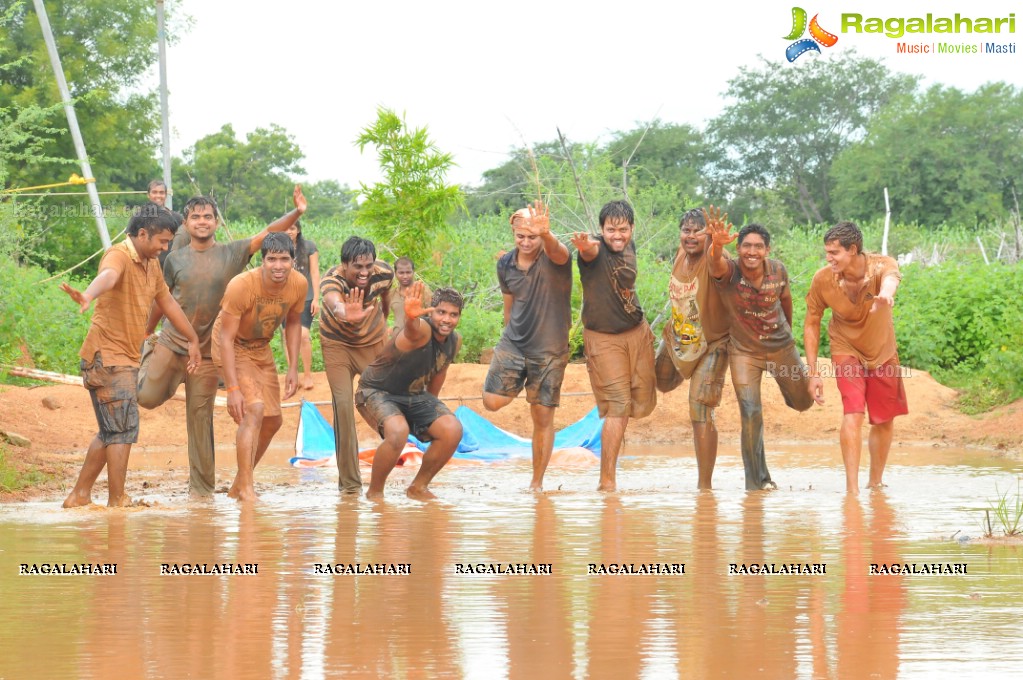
x=291, y=620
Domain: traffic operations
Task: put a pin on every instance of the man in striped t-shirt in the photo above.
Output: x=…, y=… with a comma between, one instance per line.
x=128, y=283
x=353, y=328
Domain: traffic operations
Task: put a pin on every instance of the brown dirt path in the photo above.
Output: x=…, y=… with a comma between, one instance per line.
x=59, y=437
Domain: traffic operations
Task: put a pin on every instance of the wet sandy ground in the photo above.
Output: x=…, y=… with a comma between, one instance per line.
x=288, y=621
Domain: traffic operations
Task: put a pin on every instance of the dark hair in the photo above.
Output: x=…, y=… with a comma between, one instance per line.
x=200, y=202
x=616, y=211
x=754, y=229
x=405, y=259
x=449, y=295
x=356, y=246
x=694, y=216
x=156, y=183
x=151, y=217
x=278, y=242
x=847, y=234
x=300, y=249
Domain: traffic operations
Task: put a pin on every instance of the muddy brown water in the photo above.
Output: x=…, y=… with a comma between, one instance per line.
x=288, y=621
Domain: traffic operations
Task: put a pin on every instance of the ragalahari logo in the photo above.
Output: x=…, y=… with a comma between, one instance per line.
x=817, y=35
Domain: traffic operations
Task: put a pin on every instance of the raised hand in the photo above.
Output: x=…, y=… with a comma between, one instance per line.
x=81, y=298
x=583, y=241
x=414, y=302
x=298, y=198
x=350, y=308
x=539, y=222
x=718, y=227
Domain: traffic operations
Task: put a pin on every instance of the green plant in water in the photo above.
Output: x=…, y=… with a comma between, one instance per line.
x=1008, y=511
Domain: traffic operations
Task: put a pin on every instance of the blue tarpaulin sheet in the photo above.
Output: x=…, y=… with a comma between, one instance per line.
x=481, y=439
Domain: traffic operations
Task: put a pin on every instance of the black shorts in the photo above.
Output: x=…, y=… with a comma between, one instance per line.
x=114, y=394
x=419, y=410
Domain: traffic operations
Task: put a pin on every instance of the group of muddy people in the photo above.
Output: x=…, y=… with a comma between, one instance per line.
x=218, y=320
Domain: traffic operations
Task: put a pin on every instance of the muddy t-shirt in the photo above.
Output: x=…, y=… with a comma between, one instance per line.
x=197, y=280
x=854, y=330
x=610, y=304
x=119, y=322
x=758, y=323
x=698, y=316
x=405, y=373
x=260, y=313
x=371, y=329
x=541, y=311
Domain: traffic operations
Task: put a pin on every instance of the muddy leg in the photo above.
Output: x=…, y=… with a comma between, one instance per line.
x=243, y=488
x=543, y=442
x=446, y=432
x=850, y=439
x=879, y=443
x=387, y=454
x=611, y=437
x=705, y=440
x=95, y=460
x=266, y=434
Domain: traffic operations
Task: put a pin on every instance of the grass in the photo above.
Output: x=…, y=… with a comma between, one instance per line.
x=1008, y=512
x=13, y=476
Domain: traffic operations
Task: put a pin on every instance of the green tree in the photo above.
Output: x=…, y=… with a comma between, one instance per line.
x=106, y=47
x=328, y=200
x=411, y=207
x=248, y=179
x=945, y=156
x=786, y=123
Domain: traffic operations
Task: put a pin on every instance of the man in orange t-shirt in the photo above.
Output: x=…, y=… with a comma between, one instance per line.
x=254, y=305
x=128, y=283
x=860, y=290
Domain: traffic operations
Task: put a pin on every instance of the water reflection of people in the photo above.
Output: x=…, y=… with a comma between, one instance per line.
x=537, y=607
x=382, y=625
x=869, y=622
x=622, y=604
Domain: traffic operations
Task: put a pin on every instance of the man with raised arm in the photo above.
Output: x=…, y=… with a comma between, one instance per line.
x=197, y=275
x=755, y=290
x=128, y=284
x=536, y=283
x=398, y=392
x=353, y=330
x=618, y=341
x=254, y=305
x=860, y=289
x=695, y=340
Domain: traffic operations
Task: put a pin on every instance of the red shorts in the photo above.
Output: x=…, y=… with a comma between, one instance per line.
x=879, y=391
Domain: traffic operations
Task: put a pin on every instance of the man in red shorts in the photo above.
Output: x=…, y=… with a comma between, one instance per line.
x=860, y=290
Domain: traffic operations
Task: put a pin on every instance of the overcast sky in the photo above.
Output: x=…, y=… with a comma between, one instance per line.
x=485, y=77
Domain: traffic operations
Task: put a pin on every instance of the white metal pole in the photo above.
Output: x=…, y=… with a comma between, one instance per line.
x=887, y=220
x=161, y=34
x=72, y=121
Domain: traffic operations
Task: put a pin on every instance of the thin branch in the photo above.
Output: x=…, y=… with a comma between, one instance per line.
x=578, y=186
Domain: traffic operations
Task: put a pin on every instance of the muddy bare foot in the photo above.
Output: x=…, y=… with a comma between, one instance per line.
x=607, y=487
x=419, y=493
x=877, y=486
x=536, y=487
x=769, y=486
x=75, y=500
x=124, y=501
x=244, y=495
x=374, y=495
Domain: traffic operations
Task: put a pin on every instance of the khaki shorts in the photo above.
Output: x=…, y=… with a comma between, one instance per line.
x=114, y=394
x=621, y=369
x=257, y=376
